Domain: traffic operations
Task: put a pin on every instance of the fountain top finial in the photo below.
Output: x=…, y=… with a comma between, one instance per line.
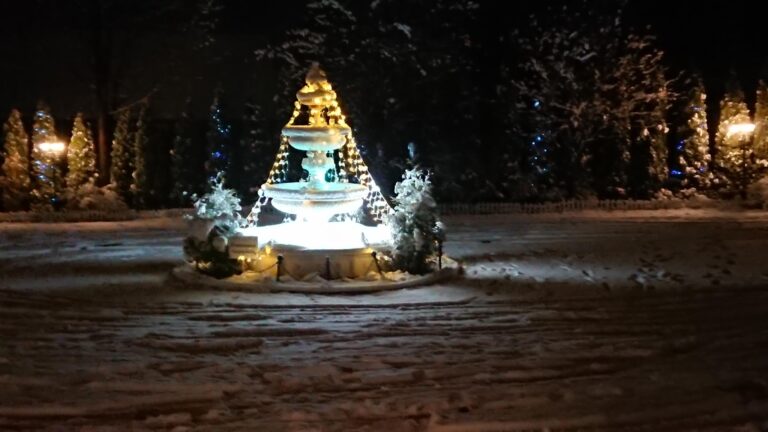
x=315, y=74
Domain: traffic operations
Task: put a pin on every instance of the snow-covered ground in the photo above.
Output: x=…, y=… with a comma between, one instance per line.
x=630, y=321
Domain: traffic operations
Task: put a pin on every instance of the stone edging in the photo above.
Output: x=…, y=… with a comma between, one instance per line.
x=185, y=273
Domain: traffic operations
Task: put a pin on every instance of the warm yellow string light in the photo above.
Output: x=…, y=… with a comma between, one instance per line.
x=351, y=162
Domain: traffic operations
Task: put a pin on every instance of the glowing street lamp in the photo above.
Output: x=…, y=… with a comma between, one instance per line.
x=743, y=130
x=52, y=148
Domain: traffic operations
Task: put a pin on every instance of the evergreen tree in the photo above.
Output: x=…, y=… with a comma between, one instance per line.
x=761, y=120
x=735, y=152
x=590, y=101
x=81, y=156
x=122, y=156
x=733, y=110
x=140, y=188
x=253, y=154
x=649, y=155
x=184, y=161
x=219, y=141
x=694, y=158
x=46, y=170
x=15, y=174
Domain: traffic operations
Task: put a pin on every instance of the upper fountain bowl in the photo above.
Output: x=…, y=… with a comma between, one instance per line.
x=315, y=204
x=316, y=138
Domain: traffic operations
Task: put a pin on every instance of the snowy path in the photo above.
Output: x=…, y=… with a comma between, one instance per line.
x=563, y=323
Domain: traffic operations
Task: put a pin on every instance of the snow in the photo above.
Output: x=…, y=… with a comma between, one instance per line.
x=591, y=320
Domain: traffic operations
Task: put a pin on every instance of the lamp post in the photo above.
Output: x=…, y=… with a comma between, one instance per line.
x=743, y=134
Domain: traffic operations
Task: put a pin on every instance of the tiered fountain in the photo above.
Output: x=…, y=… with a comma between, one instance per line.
x=322, y=235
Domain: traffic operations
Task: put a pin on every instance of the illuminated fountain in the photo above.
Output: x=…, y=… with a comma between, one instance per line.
x=323, y=234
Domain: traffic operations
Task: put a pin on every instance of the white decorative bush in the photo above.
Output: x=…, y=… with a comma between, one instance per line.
x=215, y=219
x=416, y=228
x=219, y=204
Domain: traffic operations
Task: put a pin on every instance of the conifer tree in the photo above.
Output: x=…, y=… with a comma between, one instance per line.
x=694, y=158
x=122, y=156
x=733, y=110
x=219, y=141
x=735, y=152
x=253, y=154
x=81, y=157
x=46, y=170
x=761, y=120
x=15, y=173
x=140, y=188
x=184, y=161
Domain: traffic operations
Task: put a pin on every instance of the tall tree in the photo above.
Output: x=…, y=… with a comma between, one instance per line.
x=733, y=110
x=354, y=41
x=123, y=156
x=46, y=161
x=590, y=101
x=110, y=33
x=219, y=138
x=735, y=151
x=694, y=157
x=253, y=154
x=81, y=156
x=15, y=173
x=185, y=162
x=140, y=187
x=761, y=120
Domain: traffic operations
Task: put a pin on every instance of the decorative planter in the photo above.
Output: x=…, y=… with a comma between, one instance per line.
x=200, y=228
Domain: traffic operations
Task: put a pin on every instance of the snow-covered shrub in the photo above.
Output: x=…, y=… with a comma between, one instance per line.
x=219, y=204
x=758, y=192
x=91, y=197
x=414, y=222
x=215, y=219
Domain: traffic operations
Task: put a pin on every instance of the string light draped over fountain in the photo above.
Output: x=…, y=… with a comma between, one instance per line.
x=325, y=235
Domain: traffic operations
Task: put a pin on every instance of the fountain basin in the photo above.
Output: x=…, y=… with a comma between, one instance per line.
x=330, y=249
x=316, y=138
x=311, y=202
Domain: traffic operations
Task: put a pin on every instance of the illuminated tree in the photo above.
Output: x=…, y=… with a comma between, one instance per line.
x=122, y=156
x=761, y=120
x=46, y=170
x=735, y=153
x=140, y=188
x=15, y=173
x=733, y=110
x=219, y=138
x=694, y=158
x=81, y=156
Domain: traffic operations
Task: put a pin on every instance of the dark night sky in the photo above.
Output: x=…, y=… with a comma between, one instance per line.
x=711, y=37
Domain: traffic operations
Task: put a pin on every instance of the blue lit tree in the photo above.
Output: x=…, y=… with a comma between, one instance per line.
x=590, y=100
x=219, y=138
x=46, y=169
x=692, y=145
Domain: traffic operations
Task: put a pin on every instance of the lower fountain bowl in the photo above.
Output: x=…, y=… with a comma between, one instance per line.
x=332, y=250
x=316, y=204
